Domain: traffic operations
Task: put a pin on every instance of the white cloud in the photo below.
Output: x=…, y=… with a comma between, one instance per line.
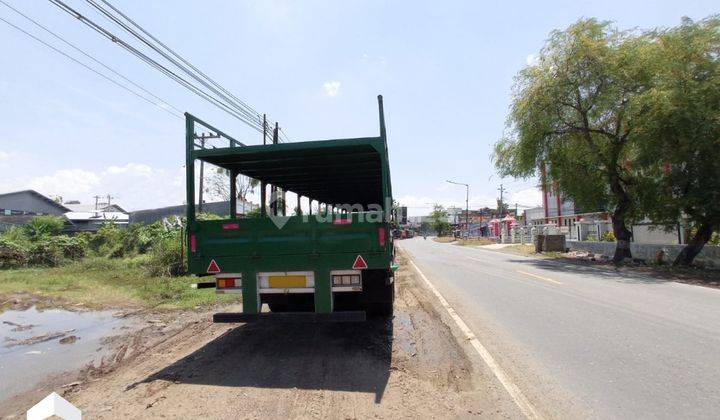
x=4, y=159
x=526, y=197
x=66, y=182
x=134, y=185
x=332, y=88
x=532, y=60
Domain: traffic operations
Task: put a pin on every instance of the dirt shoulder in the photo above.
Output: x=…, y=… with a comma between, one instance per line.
x=410, y=366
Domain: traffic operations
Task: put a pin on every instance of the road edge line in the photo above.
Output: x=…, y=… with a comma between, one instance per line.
x=539, y=277
x=515, y=393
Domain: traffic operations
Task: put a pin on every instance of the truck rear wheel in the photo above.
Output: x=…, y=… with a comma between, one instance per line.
x=379, y=292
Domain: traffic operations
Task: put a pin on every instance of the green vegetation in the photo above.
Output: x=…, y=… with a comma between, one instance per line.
x=624, y=122
x=140, y=265
x=99, y=282
x=438, y=221
x=680, y=153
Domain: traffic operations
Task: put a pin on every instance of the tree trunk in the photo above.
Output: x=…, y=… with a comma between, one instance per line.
x=693, y=248
x=622, y=236
x=622, y=233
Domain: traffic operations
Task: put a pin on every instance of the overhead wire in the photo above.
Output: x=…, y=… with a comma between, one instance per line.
x=226, y=94
x=86, y=54
x=153, y=63
x=250, y=114
x=178, y=56
x=89, y=68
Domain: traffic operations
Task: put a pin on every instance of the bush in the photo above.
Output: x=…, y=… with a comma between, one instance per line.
x=208, y=216
x=714, y=239
x=12, y=255
x=106, y=240
x=43, y=226
x=71, y=247
x=45, y=253
x=166, y=257
x=17, y=236
x=608, y=237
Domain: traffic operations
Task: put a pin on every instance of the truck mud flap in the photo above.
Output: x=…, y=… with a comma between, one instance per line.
x=308, y=317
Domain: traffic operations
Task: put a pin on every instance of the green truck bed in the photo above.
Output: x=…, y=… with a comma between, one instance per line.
x=331, y=264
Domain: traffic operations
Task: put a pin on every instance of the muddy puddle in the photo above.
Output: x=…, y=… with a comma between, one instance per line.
x=35, y=344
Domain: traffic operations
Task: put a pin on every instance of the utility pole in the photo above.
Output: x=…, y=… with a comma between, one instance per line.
x=203, y=137
x=109, y=198
x=263, y=185
x=202, y=178
x=467, y=205
x=502, y=190
x=273, y=189
x=97, y=197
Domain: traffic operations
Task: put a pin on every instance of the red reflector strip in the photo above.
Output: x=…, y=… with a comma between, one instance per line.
x=223, y=283
x=342, y=221
x=193, y=243
x=381, y=236
x=231, y=226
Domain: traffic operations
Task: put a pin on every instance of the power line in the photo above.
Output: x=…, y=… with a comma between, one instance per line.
x=179, y=79
x=78, y=49
x=89, y=68
x=245, y=110
x=179, y=57
x=224, y=93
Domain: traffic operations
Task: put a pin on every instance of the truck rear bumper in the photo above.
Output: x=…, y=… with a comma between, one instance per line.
x=309, y=317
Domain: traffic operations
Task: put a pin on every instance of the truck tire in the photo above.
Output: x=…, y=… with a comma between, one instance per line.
x=379, y=293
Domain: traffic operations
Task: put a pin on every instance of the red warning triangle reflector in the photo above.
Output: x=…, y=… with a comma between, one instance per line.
x=213, y=268
x=359, y=263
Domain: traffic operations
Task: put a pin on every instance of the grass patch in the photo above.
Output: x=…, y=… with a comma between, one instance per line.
x=102, y=282
x=475, y=242
x=529, y=251
x=444, y=239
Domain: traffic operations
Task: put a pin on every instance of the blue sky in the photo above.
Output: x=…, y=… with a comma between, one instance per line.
x=445, y=69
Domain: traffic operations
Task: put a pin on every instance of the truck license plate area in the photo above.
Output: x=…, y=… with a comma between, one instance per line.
x=284, y=282
x=287, y=282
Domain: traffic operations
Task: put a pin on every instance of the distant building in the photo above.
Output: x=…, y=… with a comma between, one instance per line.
x=29, y=202
x=89, y=217
x=534, y=213
x=17, y=208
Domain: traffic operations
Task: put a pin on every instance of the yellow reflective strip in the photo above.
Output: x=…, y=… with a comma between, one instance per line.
x=284, y=282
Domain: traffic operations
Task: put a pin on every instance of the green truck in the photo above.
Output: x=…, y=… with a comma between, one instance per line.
x=333, y=262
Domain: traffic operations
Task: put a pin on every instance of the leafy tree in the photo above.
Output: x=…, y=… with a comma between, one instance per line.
x=219, y=186
x=680, y=150
x=575, y=112
x=438, y=220
x=43, y=226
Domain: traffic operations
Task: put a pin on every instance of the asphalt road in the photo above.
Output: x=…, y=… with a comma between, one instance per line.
x=583, y=342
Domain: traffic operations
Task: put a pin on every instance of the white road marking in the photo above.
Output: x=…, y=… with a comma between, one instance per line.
x=515, y=393
x=539, y=277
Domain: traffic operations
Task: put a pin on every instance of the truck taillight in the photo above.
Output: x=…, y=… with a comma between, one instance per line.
x=381, y=236
x=223, y=283
x=193, y=243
